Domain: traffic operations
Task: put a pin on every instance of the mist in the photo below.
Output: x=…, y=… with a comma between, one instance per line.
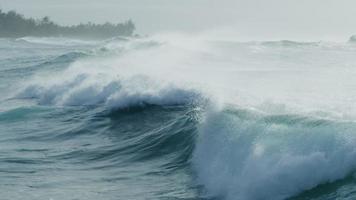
x=247, y=20
x=188, y=99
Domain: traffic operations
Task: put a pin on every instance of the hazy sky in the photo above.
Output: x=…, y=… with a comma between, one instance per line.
x=260, y=18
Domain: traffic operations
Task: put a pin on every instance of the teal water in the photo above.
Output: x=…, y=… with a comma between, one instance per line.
x=176, y=119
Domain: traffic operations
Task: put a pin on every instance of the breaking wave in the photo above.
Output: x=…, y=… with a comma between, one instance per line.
x=240, y=152
x=239, y=127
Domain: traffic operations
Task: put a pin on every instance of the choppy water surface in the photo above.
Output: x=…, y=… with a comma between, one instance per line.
x=177, y=117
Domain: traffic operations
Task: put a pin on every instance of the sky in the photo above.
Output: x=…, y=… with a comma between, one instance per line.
x=265, y=19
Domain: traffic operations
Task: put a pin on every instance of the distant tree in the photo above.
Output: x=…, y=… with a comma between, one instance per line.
x=45, y=20
x=15, y=25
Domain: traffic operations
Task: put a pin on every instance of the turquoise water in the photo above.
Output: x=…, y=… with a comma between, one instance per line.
x=176, y=118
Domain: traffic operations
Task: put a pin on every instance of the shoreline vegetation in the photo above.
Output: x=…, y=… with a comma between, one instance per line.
x=15, y=25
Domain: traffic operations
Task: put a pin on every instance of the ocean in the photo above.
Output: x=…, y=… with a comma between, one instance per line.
x=177, y=117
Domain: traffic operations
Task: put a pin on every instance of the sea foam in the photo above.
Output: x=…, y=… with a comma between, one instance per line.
x=243, y=155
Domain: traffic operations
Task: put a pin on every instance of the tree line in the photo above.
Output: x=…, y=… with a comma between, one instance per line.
x=14, y=25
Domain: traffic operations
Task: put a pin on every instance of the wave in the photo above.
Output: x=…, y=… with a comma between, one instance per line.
x=57, y=41
x=18, y=114
x=168, y=134
x=233, y=152
x=62, y=61
x=240, y=152
x=111, y=148
x=290, y=43
x=84, y=89
x=71, y=56
x=27, y=68
x=100, y=80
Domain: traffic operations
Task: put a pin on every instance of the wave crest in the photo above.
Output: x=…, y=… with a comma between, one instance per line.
x=84, y=90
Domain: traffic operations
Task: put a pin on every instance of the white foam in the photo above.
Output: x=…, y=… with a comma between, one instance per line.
x=255, y=158
x=85, y=89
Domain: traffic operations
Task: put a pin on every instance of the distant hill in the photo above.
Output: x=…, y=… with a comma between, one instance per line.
x=14, y=25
